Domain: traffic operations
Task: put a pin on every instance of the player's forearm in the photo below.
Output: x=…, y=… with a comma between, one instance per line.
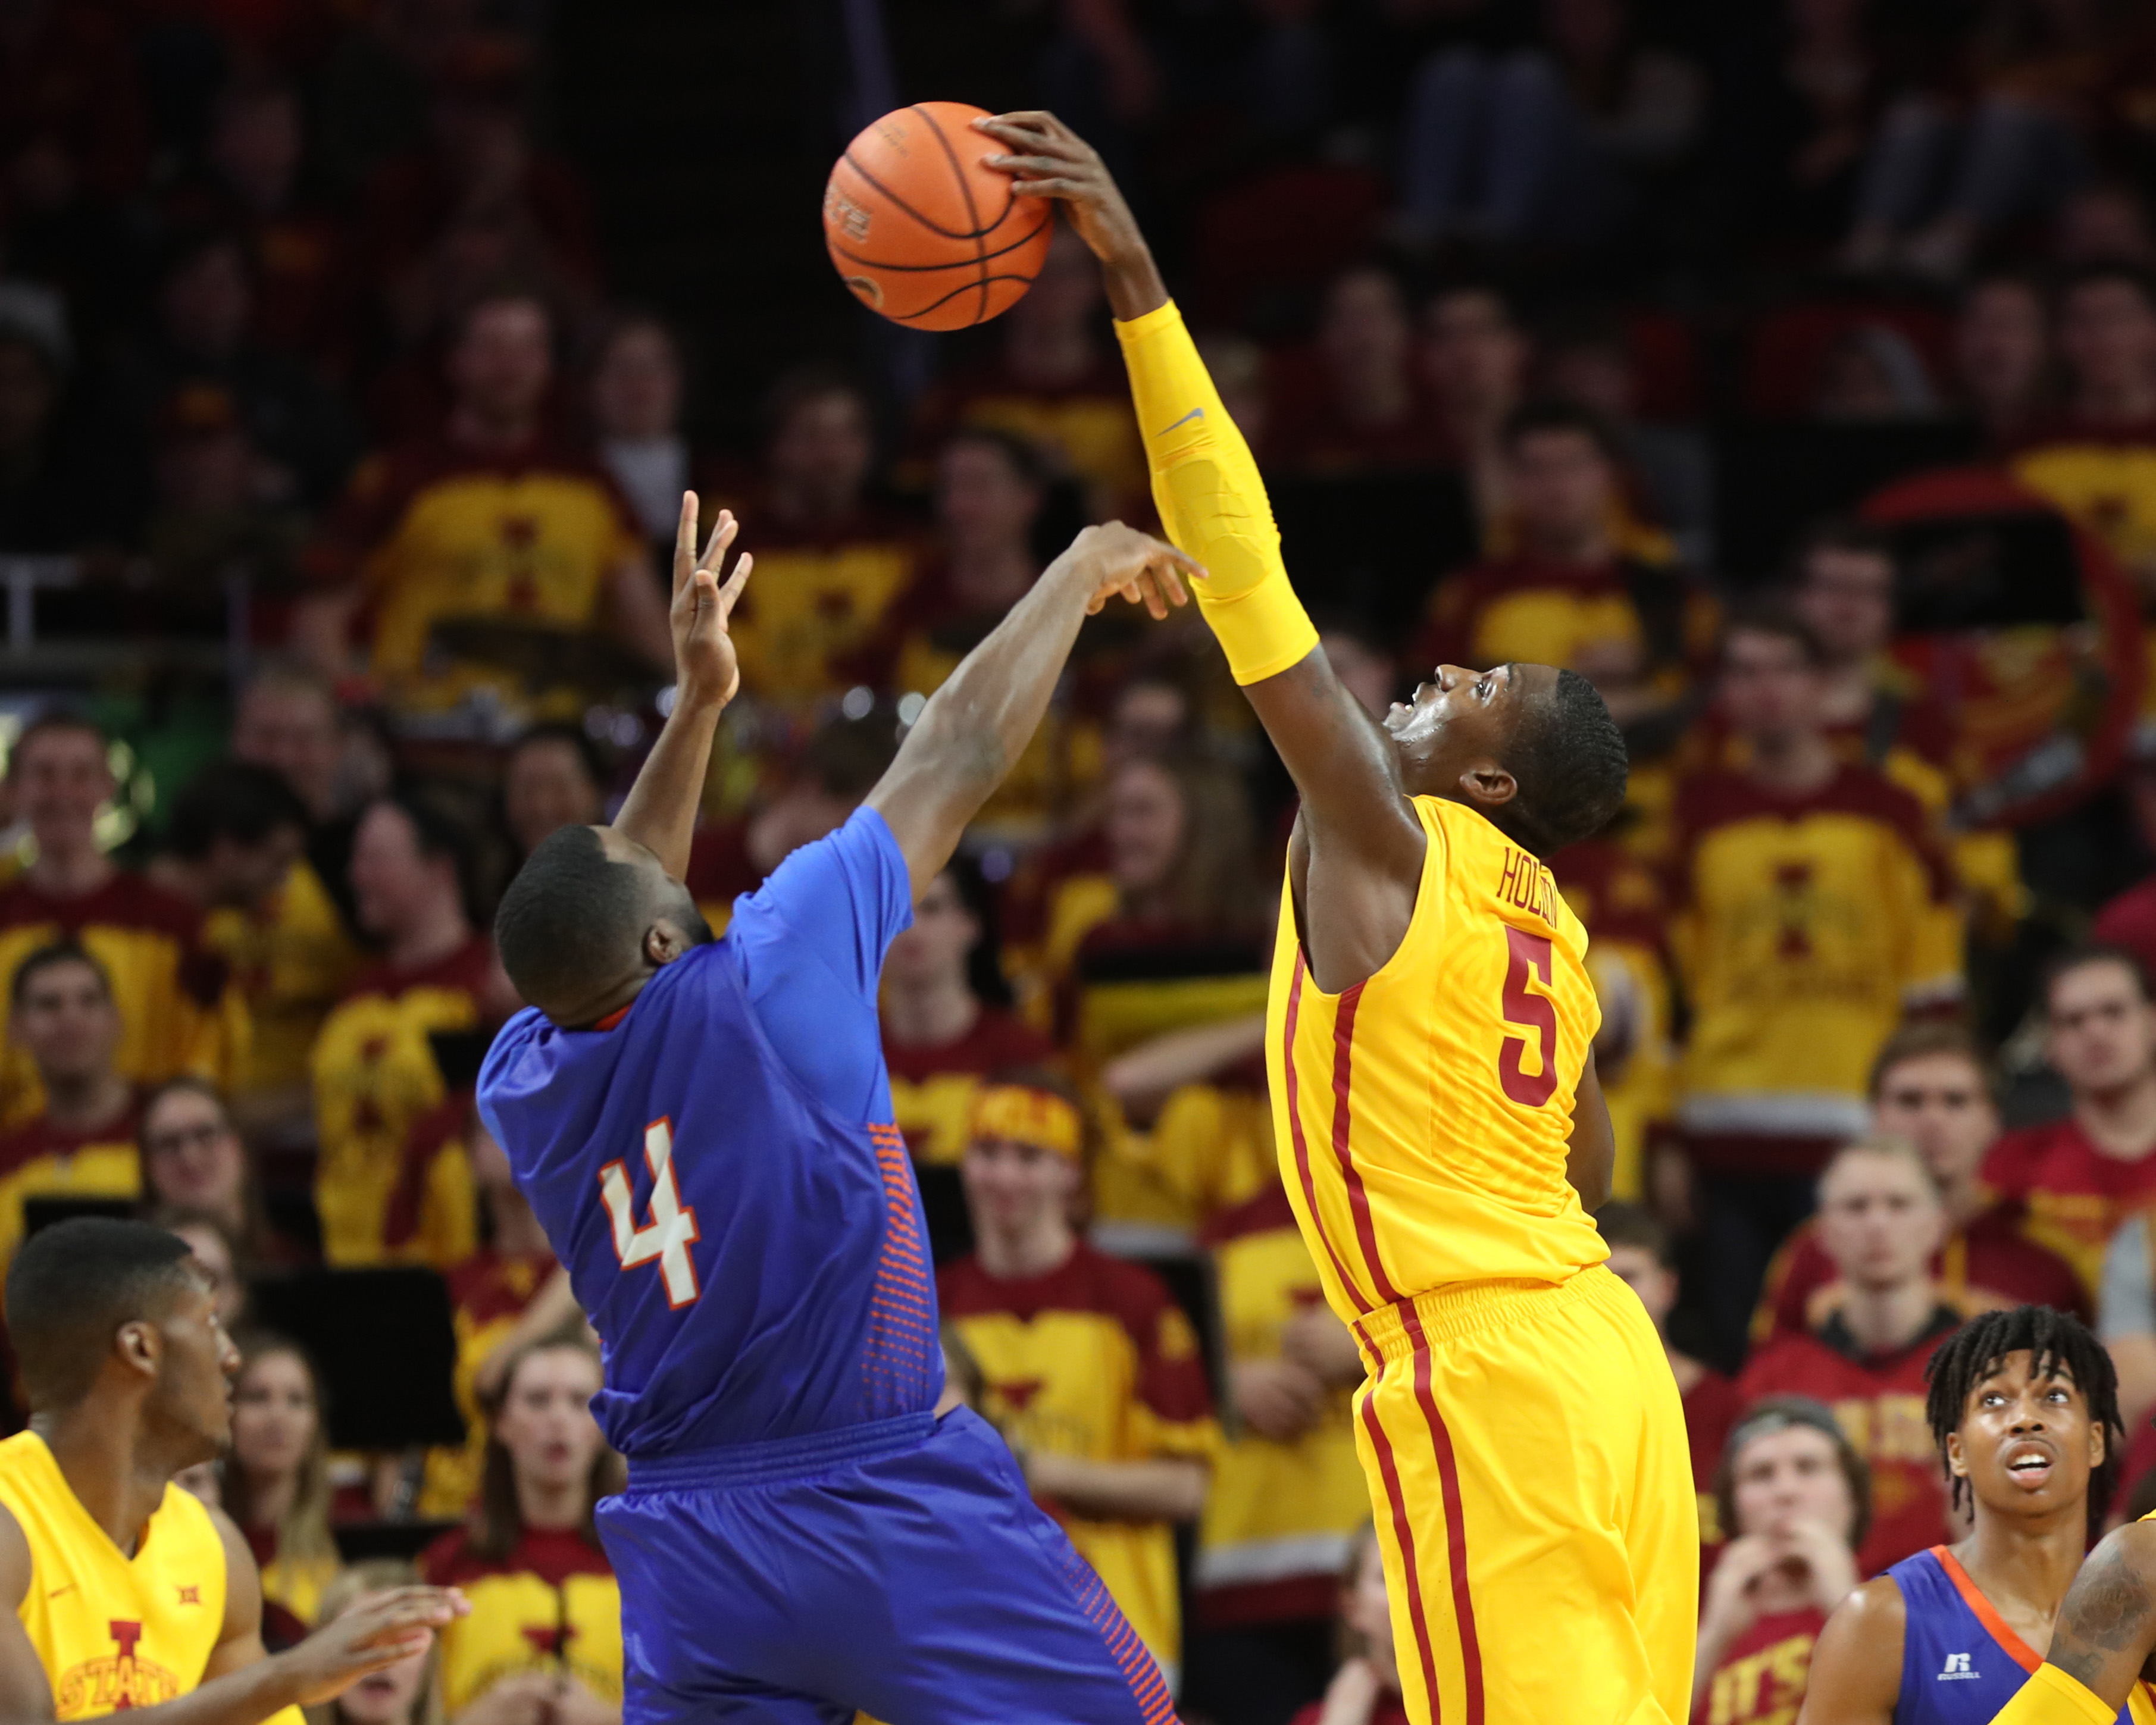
x=1132, y=280
x=246, y=1697
x=1163, y=1490
x=1212, y=499
x=660, y=810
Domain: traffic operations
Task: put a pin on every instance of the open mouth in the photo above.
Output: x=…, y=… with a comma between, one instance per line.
x=2029, y=1464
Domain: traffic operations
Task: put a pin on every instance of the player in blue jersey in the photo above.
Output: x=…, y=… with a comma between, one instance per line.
x=704, y=1127
x=2024, y=1406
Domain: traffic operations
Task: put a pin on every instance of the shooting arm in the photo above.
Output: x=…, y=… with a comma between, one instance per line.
x=660, y=810
x=976, y=726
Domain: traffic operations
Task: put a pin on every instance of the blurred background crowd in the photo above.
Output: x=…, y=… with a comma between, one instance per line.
x=1788, y=369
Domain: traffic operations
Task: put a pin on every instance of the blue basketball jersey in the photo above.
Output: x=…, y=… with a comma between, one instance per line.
x=1960, y=1663
x=720, y=1173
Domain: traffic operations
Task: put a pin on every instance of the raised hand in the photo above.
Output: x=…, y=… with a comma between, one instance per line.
x=1044, y=158
x=706, y=671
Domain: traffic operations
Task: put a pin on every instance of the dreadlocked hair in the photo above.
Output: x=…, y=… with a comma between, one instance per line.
x=2055, y=1341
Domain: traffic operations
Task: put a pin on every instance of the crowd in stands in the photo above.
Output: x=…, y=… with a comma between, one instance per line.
x=1789, y=370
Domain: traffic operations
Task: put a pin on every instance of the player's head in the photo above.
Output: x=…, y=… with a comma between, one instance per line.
x=1530, y=748
x=117, y=1310
x=589, y=919
x=1787, y=1460
x=2024, y=1406
x=1640, y=1255
x=1025, y=1156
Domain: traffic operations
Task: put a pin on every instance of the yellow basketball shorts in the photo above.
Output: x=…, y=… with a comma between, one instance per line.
x=1532, y=1487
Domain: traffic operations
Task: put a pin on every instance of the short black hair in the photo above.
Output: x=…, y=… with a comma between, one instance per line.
x=1848, y=533
x=1622, y=1223
x=1533, y=418
x=1776, y=618
x=71, y=1288
x=2103, y=269
x=52, y=720
x=2052, y=1339
x=569, y=915
x=1569, y=760
x=574, y=738
x=49, y=956
x=2080, y=957
x=232, y=799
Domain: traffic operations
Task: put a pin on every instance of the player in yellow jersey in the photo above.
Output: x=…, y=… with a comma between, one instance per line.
x=1436, y=1105
x=128, y=1593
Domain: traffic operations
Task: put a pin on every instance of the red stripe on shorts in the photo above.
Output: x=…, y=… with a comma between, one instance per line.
x=1389, y=1470
x=1301, y=1144
x=1358, y=1201
x=1456, y=1520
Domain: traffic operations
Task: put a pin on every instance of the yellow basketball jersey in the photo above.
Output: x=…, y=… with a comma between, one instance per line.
x=1423, y=1116
x=112, y=1632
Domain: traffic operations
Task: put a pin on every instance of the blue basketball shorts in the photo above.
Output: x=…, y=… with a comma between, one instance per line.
x=899, y=1569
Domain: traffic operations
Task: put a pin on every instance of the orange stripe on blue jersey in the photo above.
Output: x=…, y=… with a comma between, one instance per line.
x=1443, y=1085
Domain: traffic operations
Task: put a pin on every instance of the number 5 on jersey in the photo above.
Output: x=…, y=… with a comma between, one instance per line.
x=667, y=1237
x=1535, y=1012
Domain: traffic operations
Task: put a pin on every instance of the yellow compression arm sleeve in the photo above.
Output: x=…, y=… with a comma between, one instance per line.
x=2051, y=1697
x=1211, y=499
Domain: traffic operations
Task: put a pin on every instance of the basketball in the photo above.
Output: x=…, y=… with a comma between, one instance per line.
x=921, y=232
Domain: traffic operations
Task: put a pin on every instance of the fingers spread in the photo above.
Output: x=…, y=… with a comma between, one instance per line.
x=1047, y=188
x=722, y=536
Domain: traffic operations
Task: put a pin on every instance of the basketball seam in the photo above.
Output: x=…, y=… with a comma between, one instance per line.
x=962, y=288
x=1025, y=238
x=965, y=191
x=936, y=228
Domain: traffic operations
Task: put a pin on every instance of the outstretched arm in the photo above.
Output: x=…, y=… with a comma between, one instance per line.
x=660, y=811
x=1213, y=502
x=977, y=725
x=241, y=1685
x=2105, y=1630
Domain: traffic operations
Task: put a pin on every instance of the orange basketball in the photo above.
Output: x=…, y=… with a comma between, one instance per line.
x=921, y=232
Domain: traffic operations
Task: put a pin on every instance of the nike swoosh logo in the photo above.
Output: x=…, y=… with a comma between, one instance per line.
x=1194, y=413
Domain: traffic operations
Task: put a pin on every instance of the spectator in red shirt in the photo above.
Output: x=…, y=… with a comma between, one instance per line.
x=1641, y=1257
x=1364, y=408
x=1932, y=1088
x=940, y=1035
x=1795, y=1497
x=1880, y=1219
x=2079, y=1178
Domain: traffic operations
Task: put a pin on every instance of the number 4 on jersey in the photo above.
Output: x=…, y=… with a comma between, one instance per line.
x=671, y=1230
